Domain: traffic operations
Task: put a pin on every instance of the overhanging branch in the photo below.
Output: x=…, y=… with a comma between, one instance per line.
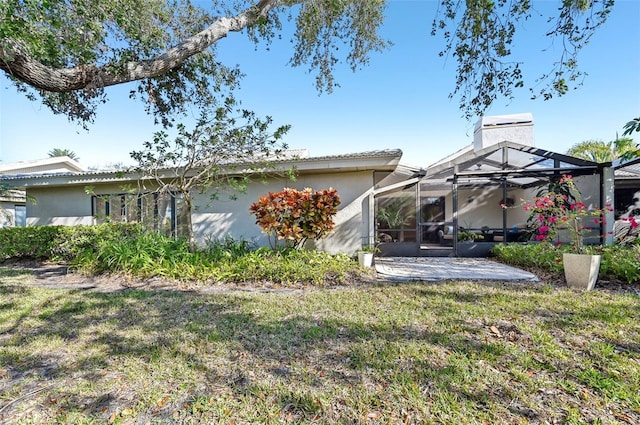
x=17, y=62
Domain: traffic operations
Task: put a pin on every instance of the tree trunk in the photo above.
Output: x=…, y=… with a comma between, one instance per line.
x=188, y=226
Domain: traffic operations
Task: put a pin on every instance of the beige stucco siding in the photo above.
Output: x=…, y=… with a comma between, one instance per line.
x=216, y=219
x=481, y=207
x=69, y=205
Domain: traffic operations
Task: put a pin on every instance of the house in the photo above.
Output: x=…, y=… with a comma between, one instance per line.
x=86, y=198
x=13, y=210
x=472, y=194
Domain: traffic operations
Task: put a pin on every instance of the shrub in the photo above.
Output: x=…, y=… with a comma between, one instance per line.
x=291, y=267
x=129, y=249
x=28, y=242
x=227, y=248
x=73, y=241
x=295, y=216
x=621, y=262
x=537, y=255
x=141, y=254
x=617, y=262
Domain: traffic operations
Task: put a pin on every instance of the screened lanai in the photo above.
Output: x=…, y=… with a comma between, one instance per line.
x=627, y=200
x=468, y=202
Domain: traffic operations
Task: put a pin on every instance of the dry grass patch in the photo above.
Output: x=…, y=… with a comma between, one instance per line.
x=405, y=353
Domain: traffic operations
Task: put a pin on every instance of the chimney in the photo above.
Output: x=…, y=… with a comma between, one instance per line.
x=517, y=128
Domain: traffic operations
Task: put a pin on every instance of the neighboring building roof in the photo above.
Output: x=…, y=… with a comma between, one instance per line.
x=56, y=164
x=360, y=161
x=627, y=170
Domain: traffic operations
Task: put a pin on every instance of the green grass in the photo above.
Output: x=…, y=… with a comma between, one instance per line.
x=463, y=353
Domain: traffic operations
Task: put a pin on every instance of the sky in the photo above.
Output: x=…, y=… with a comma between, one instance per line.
x=400, y=100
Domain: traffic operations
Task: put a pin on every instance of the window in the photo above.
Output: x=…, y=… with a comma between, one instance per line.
x=21, y=215
x=157, y=211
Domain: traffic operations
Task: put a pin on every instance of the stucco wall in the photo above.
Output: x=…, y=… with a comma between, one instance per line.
x=71, y=205
x=59, y=206
x=215, y=219
x=481, y=207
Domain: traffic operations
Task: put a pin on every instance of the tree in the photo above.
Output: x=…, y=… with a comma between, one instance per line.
x=599, y=151
x=631, y=126
x=63, y=152
x=222, y=152
x=66, y=53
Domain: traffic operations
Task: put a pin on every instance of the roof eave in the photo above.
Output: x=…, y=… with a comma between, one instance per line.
x=386, y=160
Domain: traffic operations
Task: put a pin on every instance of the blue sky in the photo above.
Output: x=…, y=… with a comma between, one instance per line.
x=400, y=100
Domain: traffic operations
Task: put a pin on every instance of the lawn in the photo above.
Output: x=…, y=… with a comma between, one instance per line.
x=450, y=352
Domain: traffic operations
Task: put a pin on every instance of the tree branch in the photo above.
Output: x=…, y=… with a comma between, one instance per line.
x=16, y=61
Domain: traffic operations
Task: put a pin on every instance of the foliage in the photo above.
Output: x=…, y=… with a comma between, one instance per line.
x=74, y=241
x=480, y=35
x=559, y=206
x=631, y=126
x=544, y=256
x=63, y=152
x=617, y=262
x=467, y=235
x=66, y=53
x=395, y=213
x=599, y=151
x=374, y=249
x=227, y=248
x=222, y=152
x=168, y=47
x=28, y=242
x=128, y=249
x=62, y=243
x=292, y=267
x=227, y=261
x=621, y=262
x=295, y=216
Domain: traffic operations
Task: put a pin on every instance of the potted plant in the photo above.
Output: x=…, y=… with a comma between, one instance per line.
x=560, y=207
x=468, y=236
x=365, y=255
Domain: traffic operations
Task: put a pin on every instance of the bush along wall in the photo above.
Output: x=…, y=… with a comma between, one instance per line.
x=28, y=242
x=618, y=262
x=59, y=242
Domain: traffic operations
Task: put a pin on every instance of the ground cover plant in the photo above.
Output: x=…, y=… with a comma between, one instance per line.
x=618, y=263
x=130, y=250
x=451, y=352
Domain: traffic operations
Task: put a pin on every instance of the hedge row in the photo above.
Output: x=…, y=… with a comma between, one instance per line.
x=59, y=242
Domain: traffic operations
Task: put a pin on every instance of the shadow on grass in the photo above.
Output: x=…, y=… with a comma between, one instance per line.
x=259, y=350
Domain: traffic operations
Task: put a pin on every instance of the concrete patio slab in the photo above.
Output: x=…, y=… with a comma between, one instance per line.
x=448, y=268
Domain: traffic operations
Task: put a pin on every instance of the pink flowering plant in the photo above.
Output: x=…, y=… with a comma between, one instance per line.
x=559, y=206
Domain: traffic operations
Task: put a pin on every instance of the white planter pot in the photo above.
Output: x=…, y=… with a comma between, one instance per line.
x=365, y=259
x=581, y=270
